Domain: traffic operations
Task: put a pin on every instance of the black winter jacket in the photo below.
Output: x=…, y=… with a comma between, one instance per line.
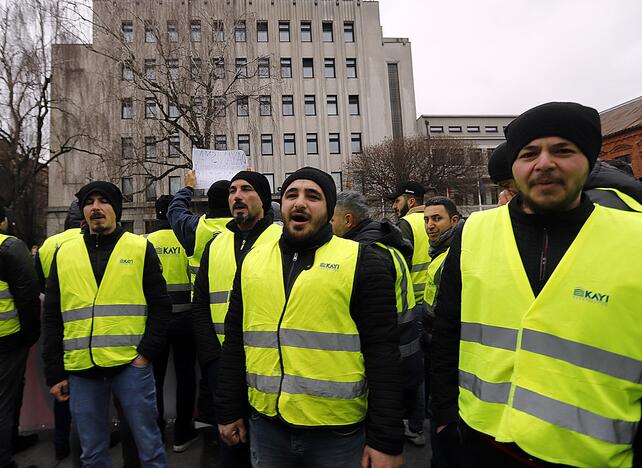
x=605, y=176
x=159, y=308
x=373, y=311
x=209, y=349
x=16, y=269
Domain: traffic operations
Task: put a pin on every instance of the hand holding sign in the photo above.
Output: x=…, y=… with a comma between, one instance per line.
x=212, y=165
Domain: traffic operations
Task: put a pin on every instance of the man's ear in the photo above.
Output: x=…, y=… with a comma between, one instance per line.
x=349, y=219
x=455, y=219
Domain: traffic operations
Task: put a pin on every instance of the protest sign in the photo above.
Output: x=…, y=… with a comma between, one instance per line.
x=212, y=165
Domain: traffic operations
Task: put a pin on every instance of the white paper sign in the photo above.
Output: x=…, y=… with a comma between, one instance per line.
x=212, y=165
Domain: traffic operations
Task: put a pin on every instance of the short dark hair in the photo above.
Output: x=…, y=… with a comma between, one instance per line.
x=447, y=203
x=3, y=213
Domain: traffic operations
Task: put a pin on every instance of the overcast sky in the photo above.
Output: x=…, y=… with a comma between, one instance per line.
x=505, y=56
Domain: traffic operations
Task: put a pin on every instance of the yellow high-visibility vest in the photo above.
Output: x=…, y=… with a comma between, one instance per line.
x=175, y=268
x=561, y=374
x=205, y=230
x=432, y=281
x=303, y=354
x=420, y=257
x=9, y=320
x=103, y=325
x=627, y=199
x=222, y=269
x=49, y=246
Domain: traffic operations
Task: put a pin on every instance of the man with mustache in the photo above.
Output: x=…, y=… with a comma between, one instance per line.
x=105, y=320
x=536, y=344
x=252, y=225
x=311, y=320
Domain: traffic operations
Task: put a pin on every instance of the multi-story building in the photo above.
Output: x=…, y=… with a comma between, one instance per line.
x=622, y=134
x=292, y=83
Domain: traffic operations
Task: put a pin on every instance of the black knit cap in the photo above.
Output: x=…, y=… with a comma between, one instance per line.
x=107, y=190
x=161, y=206
x=500, y=166
x=260, y=184
x=569, y=120
x=218, y=194
x=323, y=179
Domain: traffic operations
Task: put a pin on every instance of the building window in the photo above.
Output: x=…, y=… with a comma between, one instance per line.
x=174, y=184
x=150, y=69
x=489, y=128
x=196, y=67
x=127, y=147
x=310, y=105
x=195, y=31
x=338, y=180
x=436, y=129
x=241, y=67
x=172, y=110
x=306, y=31
x=472, y=129
x=172, y=31
x=126, y=72
x=286, y=68
x=174, y=146
x=150, y=147
x=126, y=109
x=353, y=104
x=348, y=31
x=172, y=69
x=312, y=143
x=197, y=105
x=266, y=144
x=454, y=128
x=270, y=179
x=284, y=31
x=220, y=142
x=334, y=143
x=219, y=68
x=289, y=143
x=244, y=144
x=308, y=68
x=394, y=90
x=288, y=104
x=150, y=189
x=263, y=69
x=127, y=186
x=265, y=105
x=220, y=104
x=150, y=108
x=242, y=107
x=262, y=31
x=355, y=142
x=331, y=103
x=329, y=68
x=150, y=34
x=328, y=35
x=351, y=67
x=240, y=32
x=218, y=31
x=127, y=31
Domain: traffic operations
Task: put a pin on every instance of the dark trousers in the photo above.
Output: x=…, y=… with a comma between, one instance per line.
x=12, y=371
x=181, y=340
x=62, y=424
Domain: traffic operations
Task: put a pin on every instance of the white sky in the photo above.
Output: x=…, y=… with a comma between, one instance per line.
x=505, y=56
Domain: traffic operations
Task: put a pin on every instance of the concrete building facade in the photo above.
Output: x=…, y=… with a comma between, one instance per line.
x=323, y=83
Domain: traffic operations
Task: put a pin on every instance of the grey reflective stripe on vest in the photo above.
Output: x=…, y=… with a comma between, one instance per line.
x=420, y=267
x=576, y=419
x=219, y=329
x=178, y=287
x=406, y=316
x=101, y=341
x=177, y=308
x=419, y=287
x=485, y=391
x=411, y=348
x=219, y=297
x=263, y=383
x=588, y=357
x=404, y=281
x=489, y=335
x=260, y=339
x=319, y=340
x=6, y=294
x=193, y=269
x=8, y=315
x=296, y=385
x=116, y=310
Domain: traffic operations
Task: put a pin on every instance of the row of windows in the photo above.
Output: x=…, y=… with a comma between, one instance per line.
x=240, y=31
x=263, y=69
x=219, y=104
x=244, y=143
x=469, y=129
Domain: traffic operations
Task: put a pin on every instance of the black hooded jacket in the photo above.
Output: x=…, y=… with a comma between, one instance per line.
x=605, y=176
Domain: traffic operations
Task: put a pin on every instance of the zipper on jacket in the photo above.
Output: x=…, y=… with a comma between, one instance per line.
x=242, y=244
x=93, y=305
x=543, y=259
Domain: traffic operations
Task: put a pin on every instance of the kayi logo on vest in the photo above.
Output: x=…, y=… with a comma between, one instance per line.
x=329, y=266
x=590, y=296
x=168, y=250
x=126, y=261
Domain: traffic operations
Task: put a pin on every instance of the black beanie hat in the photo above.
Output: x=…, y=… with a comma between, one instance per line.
x=323, y=179
x=74, y=216
x=500, y=164
x=107, y=190
x=218, y=194
x=161, y=206
x=569, y=120
x=260, y=184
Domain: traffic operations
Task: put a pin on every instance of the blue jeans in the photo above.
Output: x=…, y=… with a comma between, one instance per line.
x=89, y=400
x=274, y=445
